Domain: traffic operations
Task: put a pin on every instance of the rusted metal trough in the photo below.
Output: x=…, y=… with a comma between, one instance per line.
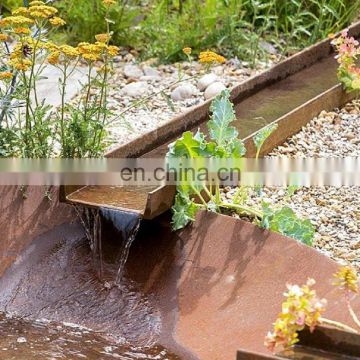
x=289, y=94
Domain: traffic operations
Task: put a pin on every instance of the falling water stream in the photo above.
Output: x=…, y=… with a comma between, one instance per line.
x=126, y=225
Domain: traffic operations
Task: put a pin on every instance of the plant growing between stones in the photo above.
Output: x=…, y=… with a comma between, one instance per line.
x=223, y=143
x=303, y=307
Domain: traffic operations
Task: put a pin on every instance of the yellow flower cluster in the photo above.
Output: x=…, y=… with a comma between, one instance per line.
x=347, y=279
x=109, y=2
x=42, y=11
x=3, y=37
x=22, y=31
x=23, y=11
x=5, y=75
x=187, y=51
x=17, y=20
x=210, y=57
x=93, y=52
x=18, y=59
x=90, y=52
x=301, y=308
x=57, y=21
x=103, y=38
x=64, y=52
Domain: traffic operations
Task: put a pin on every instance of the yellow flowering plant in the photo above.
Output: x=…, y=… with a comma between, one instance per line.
x=29, y=127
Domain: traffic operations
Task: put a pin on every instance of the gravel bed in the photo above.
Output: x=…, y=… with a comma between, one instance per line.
x=131, y=82
x=334, y=211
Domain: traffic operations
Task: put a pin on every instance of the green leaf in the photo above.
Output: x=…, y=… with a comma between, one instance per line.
x=222, y=115
x=184, y=211
x=262, y=135
x=237, y=148
x=287, y=223
x=187, y=146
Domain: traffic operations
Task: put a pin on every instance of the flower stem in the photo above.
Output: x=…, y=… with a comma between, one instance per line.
x=337, y=324
x=352, y=312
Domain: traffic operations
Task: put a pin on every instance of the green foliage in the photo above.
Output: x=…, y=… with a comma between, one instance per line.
x=287, y=223
x=233, y=27
x=184, y=211
x=225, y=144
x=262, y=135
x=238, y=27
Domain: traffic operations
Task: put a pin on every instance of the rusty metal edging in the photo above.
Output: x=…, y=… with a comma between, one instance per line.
x=200, y=113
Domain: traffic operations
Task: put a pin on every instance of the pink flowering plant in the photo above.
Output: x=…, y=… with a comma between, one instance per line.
x=347, y=49
x=303, y=307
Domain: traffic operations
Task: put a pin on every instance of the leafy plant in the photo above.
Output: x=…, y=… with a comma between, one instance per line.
x=223, y=143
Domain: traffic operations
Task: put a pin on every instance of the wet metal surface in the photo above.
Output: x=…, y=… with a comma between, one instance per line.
x=133, y=198
x=43, y=340
x=55, y=279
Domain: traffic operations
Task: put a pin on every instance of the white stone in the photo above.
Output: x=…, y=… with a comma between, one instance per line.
x=182, y=92
x=135, y=89
x=133, y=71
x=150, y=71
x=214, y=89
x=150, y=78
x=21, y=339
x=206, y=80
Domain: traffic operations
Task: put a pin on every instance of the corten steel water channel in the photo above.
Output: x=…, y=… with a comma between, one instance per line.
x=290, y=94
x=217, y=285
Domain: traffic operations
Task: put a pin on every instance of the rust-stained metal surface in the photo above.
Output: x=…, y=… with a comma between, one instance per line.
x=22, y=219
x=148, y=201
x=220, y=283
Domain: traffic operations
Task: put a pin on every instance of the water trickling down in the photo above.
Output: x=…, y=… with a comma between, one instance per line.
x=126, y=225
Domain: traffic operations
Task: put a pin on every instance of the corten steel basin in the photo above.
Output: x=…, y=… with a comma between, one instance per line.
x=220, y=283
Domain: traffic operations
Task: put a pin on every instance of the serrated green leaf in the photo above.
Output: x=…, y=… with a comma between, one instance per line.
x=262, y=135
x=287, y=223
x=237, y=148
x=222, y=115
x=187, y=146
x=184, y=211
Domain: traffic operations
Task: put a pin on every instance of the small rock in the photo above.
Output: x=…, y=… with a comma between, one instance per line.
x=21, y=340
x=150, y=71
x=205, y=81
x=133, y=71
x=214, y=89
x=135, y=89
x=150, y=78
x=182, y=92
x=350, y=136
x=108, y=349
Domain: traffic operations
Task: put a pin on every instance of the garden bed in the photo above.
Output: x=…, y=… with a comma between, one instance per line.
x=132, y=81
x=334, y=211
